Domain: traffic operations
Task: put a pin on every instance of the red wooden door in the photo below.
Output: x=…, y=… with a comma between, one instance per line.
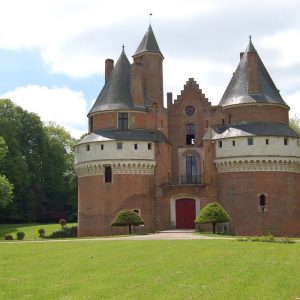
x=185, y=213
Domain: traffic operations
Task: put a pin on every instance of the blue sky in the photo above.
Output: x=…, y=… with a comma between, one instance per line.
x=52, y=52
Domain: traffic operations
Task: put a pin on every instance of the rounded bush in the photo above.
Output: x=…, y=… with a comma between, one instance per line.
x=9, y=237
x=62, y=223
x=41, y=232
x=20, y=235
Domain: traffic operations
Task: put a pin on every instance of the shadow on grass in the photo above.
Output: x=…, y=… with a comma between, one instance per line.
x=12, y=228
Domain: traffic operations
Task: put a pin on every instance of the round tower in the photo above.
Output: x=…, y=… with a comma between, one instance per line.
x=118, y=163
x=257, y=154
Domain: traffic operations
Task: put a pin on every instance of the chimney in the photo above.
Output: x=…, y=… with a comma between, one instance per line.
x=137, y=93
x=109, y=65
x=169, y=99
x=253, y=77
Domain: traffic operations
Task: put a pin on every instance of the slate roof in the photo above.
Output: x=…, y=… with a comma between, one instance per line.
x=250, y=129
x=116, y=91
x=148, y=43
x=102, y=135
x=237, y=90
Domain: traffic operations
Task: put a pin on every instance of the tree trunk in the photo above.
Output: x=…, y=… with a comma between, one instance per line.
x=214, y=228
x=129, y=227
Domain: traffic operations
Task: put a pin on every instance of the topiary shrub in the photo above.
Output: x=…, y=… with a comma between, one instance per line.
x=20, y=235
x=9, y=237
x=62, y=223
x=65, y=232
x=212, y=213
x=41, y=232
x=127, y=217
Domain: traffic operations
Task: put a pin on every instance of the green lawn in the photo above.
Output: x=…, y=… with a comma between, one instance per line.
x=31, y=230
x=193, y=269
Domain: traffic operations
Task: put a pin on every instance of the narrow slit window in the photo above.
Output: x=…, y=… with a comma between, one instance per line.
x=250, y=141
x=220, y=144
x=108, y=174
x=102, y=147
x=233, y=143
x=267, y=141
x=135, y=146
x=119, y=146
x=149, y=146
x=91, y=124
x=88, y=148
x=286, y=141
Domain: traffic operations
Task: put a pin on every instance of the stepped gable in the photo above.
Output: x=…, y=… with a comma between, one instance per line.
x=148, y=44
x=249, y=129
x=191, y=84
x=116, y=91
x=251, y=82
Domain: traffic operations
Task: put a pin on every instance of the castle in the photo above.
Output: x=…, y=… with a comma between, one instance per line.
x=166, y=164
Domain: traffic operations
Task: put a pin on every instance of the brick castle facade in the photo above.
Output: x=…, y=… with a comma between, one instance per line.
x=168, y=163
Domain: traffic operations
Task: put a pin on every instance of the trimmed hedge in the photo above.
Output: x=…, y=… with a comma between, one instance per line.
x=65, y=232
x=266, y=239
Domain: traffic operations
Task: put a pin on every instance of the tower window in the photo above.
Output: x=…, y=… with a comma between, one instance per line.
x=250, y=141
x=137, y=211
x=88, y=148
x=267, y=141
x=149, y=146
x=102, y=147
x=119, y=146
x=191, y=169
x=229, y=119
x=262, y=203
x=190, y=134
x=233, y=143
x=123, y=121
x=286, y=141
x=135, y=146
x=220, y=144
x=107, y=174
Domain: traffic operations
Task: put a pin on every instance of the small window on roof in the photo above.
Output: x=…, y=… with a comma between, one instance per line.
x=267, y=141
x=220, y=144
x=286, y=141
x=135, y=146
x=250, y=141
x=233, y=143
x=102, y=146
x=149, y=146
x=119, y=146
x=88, y=147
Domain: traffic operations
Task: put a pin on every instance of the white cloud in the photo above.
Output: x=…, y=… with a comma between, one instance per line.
x=293, y=101
x=61, y=105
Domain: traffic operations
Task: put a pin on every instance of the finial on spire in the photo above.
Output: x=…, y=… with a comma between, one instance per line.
x=250, y=37
x=150, y=18
x=123, y=46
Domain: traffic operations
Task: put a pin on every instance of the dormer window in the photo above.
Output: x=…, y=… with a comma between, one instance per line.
x=286, y=141
x=123, y=121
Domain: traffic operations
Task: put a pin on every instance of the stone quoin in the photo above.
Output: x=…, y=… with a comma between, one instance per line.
x=167, y=163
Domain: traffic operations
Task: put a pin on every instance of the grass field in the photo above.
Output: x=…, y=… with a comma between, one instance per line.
x=192, y=269
x=31, y=230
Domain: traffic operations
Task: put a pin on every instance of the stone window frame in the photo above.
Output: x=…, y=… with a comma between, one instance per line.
x=250, y=141
x=108, y=174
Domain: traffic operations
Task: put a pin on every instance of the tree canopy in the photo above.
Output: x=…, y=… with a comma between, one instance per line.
x=39, y=164
x=295, y=124
x=212, y=213
x=127, y=217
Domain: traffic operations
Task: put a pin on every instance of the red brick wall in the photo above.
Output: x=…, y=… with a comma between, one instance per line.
x=99, y=202
x=239, y=194
x=257, y=112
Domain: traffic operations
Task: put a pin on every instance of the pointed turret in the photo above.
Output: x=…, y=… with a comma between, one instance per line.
x=148, y=43
x=149, y=59
x=251, y=82
x=116, y=91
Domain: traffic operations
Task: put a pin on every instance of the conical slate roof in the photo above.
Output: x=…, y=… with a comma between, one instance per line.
x=116, y=91
x=148, y=43
x=251, y=82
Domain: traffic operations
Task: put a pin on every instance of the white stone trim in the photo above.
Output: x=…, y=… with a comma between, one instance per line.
x=258, y=164
x=93, y=168
x=173, y=205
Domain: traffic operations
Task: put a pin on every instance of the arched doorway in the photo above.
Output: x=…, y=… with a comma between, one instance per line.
x=185, y=213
